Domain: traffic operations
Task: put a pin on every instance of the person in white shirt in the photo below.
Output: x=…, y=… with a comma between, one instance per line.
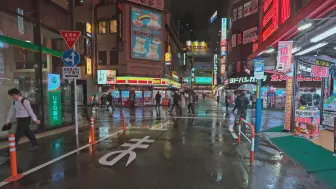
x=21, y=109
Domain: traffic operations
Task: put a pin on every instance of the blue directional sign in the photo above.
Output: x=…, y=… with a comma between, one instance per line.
x=70, y=58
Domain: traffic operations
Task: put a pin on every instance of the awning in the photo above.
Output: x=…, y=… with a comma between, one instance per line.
x=315, y=9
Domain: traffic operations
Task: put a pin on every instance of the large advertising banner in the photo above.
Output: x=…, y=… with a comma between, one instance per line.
x=54, y=99
x=250, y=35
x=146, y=34
x=284, y=62
x=156, y=4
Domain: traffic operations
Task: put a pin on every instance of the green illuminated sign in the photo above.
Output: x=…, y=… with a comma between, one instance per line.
x=54, y=100
x=204, y=80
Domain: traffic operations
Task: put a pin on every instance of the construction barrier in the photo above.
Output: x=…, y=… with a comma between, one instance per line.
x=241, y=123
x=93, y=138
x=13, y=163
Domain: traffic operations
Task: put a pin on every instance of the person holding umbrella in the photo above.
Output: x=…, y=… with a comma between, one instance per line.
x=176, y=99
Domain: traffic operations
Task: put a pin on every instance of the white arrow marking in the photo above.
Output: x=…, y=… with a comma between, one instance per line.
x=73, y=58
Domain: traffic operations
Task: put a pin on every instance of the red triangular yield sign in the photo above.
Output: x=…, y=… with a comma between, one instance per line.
x=70, y=37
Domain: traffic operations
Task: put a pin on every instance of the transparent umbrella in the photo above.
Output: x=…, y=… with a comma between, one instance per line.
x=247, y=87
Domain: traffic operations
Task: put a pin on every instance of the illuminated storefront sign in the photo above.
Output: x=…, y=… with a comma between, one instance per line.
x=54, y=100
x=107, y=77
x=273, y=13
x=244, y=80
x=215, y=69
x=164, y=82
x=88, y=66
x=203, y=80
x=168, y=57
x=223, y=35
x=250, y=8
x=322, y=63
x=280, y=77
x=249, y=35
x=88, y=29
x=213, y=17
x=156, y=4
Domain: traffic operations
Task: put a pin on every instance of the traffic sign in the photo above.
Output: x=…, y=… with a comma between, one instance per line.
x=71, y=72
x=70, y=58
x=70, y=37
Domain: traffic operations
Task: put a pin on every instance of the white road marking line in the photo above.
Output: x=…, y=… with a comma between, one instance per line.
x=234, y=135
x=59, y=158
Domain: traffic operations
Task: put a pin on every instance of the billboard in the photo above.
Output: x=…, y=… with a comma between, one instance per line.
x=106, y=77
x=250, y=8
x=156, y=4
x=197, y=47
x=284, y=62
x=54, y=99
x=146, y=34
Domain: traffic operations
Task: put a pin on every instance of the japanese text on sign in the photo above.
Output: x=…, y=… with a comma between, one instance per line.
x=245, y=79
x=284, y=61
x=318, y=71
x=55, y=109
x=322, y=63
x=288, y=107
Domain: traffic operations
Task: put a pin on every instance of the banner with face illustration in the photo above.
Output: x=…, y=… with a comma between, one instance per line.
x=146, y=34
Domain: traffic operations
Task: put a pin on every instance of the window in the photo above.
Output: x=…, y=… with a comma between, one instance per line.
x=114, y=57
x=102, y=55
x=102, y=27
x=79, y=2
x=113, y=26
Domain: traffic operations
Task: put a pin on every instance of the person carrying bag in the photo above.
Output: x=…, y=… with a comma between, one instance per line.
x=22, y=110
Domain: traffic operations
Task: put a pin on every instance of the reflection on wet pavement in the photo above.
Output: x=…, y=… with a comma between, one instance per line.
x=188, y=153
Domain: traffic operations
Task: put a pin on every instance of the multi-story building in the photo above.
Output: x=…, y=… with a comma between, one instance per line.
x=30, y=49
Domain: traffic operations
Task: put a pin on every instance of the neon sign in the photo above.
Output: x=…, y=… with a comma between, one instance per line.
x=271, y=15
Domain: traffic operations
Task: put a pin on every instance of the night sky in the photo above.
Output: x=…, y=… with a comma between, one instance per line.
x=201, y=11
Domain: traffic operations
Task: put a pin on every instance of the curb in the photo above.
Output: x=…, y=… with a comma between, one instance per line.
x=46, y=134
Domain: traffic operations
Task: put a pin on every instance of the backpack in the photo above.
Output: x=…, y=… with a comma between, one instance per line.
x=33, y=106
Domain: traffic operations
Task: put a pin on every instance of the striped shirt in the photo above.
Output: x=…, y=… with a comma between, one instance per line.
x=19, y=111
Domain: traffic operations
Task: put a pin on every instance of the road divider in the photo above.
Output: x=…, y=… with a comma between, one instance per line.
x=13, y=163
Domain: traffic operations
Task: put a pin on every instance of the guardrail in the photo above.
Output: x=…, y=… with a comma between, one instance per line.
x=240, y=124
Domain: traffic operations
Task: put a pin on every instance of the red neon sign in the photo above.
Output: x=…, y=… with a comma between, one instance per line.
x=285, y=10
x=280, y=77
x=271, y=16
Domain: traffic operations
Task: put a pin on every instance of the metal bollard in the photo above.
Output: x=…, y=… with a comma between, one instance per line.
x=93, y=138
x=239, y=130
x=13, y=163
x=123, y=121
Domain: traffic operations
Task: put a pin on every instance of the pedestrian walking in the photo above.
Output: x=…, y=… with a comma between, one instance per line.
x=158, y=101
x=176, y=99
x=253, y=99
x=236, y=105
x=217, y=99
x=243, y=102
x=109, y=99
x=227, y=102
x=183, y=103
x=22, y=110
x=203, y=97
x=191, y=104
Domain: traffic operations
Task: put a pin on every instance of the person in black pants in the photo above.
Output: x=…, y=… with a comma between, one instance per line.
x=176, y=99
x=109, y=99
x=21, y=109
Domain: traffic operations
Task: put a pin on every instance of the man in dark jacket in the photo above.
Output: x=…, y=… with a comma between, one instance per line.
x=176, y=99
x=157, y=101
x=243, y=102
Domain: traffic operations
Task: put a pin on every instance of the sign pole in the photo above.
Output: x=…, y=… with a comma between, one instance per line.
x=76, y=107
x=258, y=107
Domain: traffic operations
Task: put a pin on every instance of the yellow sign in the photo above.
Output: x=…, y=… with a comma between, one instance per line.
x=168, y=57
x=88, y=66
x=199, y=47
x=88, y=28
x=174, y=75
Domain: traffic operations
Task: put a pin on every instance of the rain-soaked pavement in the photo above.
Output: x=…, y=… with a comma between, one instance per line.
x=177, y=152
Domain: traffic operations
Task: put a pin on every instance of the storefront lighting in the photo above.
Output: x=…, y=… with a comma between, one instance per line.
x=312, y=48
x=305, y=26
x=269, y=50
x=28, y=41
x=295, y=49
x=324, y=35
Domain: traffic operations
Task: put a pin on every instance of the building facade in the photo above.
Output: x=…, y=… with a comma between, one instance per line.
x=30, y=50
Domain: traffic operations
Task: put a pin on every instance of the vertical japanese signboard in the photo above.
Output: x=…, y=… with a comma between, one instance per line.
x=288, y=107
x=215, y=69
x=259, y=68
x=54, y=99
x=223, y=46
x=284, y=62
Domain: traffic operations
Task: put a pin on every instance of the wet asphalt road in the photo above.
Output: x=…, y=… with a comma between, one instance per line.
x=188, y=153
